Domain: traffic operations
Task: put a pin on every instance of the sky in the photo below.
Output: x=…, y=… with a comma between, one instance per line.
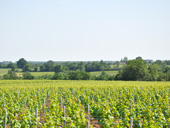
x=84, y=30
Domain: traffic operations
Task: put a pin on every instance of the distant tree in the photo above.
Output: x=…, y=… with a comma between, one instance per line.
x=42, y=68
x=117, y=63
x=2, y=65
x=125, y=59
x=103, y=76
x=167, y=73
x=161, y=76
x=138, y=57
x=118, y=75
x=28, y=76
x=79, y=75
x=13, y=66
x=60, y=76
x=10, y=75
x=21, y=63
x=35, y=69
x=58, y=68
x=81, y=66
x=167, y=70
x=49, y=66
x=167, y=62
x=27, y=67
x=161, y=65
x=153, y=70
x=97, y=66
x=72, y=66
x=135, y=70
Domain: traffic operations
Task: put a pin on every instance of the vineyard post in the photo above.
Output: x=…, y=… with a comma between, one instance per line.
x=36, y=110
x=88, y=122
x=131, y=108
x=5, y=119
x=64, y=116
x=131, y=122
x=43, y=101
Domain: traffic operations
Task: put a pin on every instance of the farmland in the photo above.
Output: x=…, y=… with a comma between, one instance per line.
x=47, y=103
x=36, y=74
x=98, y=73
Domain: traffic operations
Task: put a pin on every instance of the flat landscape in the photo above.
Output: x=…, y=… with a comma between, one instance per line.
x=52, y=103
x=97, y=73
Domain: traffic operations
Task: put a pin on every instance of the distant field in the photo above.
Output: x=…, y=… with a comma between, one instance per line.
x=120, y=66
x=97, y=73
x=108, y=72
x=38, y=73
x=3, y=71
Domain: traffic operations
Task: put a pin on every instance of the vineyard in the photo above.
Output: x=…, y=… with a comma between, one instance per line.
x=98, y=104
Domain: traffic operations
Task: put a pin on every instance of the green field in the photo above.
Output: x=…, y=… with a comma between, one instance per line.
x=97, y=73
x=68, y=104
x=5, y=71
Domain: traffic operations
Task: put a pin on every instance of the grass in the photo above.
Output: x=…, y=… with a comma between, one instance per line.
x=97, y=73
x=120, y=66
x=5, y=71
x=36, y=74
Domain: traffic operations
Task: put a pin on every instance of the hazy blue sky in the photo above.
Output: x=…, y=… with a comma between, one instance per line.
x=67, y=30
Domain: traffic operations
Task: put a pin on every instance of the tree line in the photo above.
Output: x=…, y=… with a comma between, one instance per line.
x=135, y=70
x=51, y=66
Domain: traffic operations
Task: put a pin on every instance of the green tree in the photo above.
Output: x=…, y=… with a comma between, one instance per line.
x=135, y=70
x=139, y=57
x=58, y=68
x=60, y=76
x=49, y=66
x=103, y=76
x=161, y=65
x=125, y=59
x=28, y=76
x=35, y=69
x=42, y=68
x=27, y=67
x=10, y=75
x=79, y=75
x=153, y=70
x=13, y=66
x=117, y=63
x=81, y=66
x=21, y=63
